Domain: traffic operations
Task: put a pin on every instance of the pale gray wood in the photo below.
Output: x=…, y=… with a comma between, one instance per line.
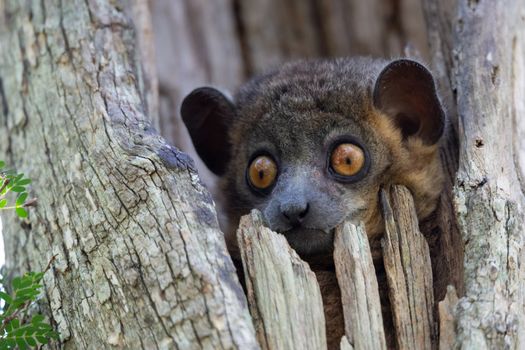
x=481, y=55
x=409, y=273
x=445, y=240
x=359, y=290
x=197, y=45
x=283, y=293
x=275, y=31
x=447, y=322
x=126, y=213
x=139, y=11
x=345, y=344
x=140, y=260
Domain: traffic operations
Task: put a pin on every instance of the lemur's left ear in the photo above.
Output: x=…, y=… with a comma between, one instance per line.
x=208, y=114
x=405, y=91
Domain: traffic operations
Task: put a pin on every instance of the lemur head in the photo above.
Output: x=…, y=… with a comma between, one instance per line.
x=310, y=144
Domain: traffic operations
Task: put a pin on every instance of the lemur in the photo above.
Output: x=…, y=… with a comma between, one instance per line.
x=310, y=143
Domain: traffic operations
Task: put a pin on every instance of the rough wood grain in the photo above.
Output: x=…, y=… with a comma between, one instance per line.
x=447, y=321
x=409, y=274
x=148, y=80
x=359, y=290
x=482, y=48
x=283, y=293
x=273, y=31
x=197, y=45
x=141, y=262
x=345, y=344
x=445, y=240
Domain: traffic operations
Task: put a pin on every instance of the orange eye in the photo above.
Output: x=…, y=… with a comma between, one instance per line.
x=262, y=172
x=347, y=159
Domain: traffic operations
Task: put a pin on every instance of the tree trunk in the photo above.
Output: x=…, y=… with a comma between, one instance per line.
x=283, y=293
x=140, y=260
x=478, y=49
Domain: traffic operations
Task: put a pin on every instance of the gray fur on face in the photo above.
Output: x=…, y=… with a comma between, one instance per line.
x=297, y=114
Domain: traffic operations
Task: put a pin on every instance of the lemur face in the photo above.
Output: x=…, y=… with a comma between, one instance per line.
x=310, y=144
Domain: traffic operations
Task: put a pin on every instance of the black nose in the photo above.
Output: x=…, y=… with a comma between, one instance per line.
x=295, y=212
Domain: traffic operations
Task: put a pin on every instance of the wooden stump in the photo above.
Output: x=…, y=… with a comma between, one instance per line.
x=359, y=290
x=283, y=293
x=409, y=273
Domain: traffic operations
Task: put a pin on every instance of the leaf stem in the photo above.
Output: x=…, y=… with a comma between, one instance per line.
x=6, y=182
x=11, y=207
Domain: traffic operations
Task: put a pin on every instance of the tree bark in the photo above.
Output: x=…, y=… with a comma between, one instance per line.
x=140, y=260
x=283, y=293
x=359, y=289
x=408, y=268
x=478, y=48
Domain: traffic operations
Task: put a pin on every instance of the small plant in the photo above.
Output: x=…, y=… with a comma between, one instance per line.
x=15, y=327
x=18, y=329
x=10, y=181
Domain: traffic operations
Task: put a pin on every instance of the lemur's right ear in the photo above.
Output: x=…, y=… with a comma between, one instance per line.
x=405, y=91
x=207, y=114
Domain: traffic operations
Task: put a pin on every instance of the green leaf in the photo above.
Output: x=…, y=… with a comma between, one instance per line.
x=3, y=203
x=17, y=335
x=18, y=177
x=18, y=188
x=15, y=323
x=27, y=293
x=45, y=327
x=53, y=335
x=16, y=282
x=11, y=326
x=31, y=341
x=18, y=303
x=19, y=332
x=21, y=343
x=23, y=182
x=2, y=164
x=10, y=343
x=37, y=276
x=37, y=319
x=21, y=212
x=6, y=297
x=41, y=339
x=25, y=281
x=20, y=200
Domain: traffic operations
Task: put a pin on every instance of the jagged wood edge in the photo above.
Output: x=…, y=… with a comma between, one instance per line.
x=359, y=289
x=409, y=273
x=283, y=294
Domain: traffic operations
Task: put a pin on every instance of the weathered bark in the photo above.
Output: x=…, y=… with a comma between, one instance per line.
x=197, y=44
x=409, y=273
x=444, y=237
x=285, y=300
x=139, y=11
x=447, y=323
x=140, y=260
x=359, y=290
x=283, y=293
x=480, y=54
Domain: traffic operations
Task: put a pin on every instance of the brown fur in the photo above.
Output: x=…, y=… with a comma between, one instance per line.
x=294, y=112
x=416, y=165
